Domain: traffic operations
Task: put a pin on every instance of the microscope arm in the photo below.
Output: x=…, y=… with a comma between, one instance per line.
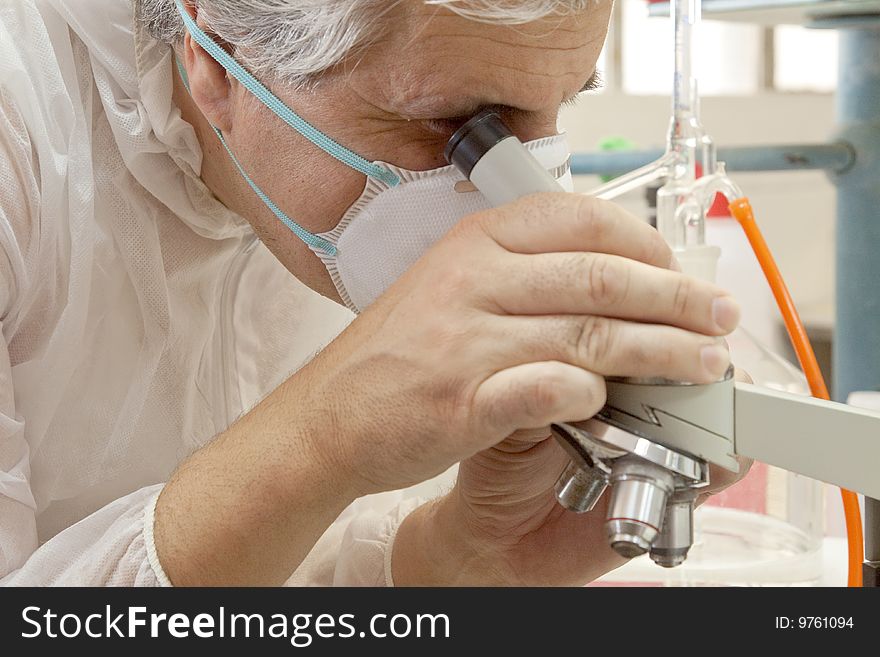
x=824, y=440
x=832, y=442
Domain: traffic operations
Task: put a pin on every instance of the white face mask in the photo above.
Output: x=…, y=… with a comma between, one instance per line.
x=400, y=213
x=388, y=228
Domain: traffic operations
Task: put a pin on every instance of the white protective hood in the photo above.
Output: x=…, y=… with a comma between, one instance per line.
x=142, y=316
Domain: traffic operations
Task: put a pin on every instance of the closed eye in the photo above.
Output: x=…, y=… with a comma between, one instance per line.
x=446, y=126
x=593, y=84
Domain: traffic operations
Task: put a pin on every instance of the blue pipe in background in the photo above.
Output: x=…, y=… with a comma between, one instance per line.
x=836, y=157
x=857, y=328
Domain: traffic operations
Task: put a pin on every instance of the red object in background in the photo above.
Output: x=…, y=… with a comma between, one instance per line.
x=750, y=494
x=719, y=206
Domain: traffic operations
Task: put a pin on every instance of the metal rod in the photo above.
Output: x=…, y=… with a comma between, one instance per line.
x=857, y=339
x=872, y=527
x=836, y=157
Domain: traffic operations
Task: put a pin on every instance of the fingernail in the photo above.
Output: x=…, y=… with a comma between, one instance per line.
x=716, y=360
x=725, y=313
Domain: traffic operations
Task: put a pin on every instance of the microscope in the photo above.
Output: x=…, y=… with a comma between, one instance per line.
x=653, y=442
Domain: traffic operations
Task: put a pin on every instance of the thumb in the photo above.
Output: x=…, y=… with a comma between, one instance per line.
x=535, y=395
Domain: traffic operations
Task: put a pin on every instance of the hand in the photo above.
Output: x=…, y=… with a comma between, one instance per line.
x=720, y=478
x=501, y=523
x=510, y=322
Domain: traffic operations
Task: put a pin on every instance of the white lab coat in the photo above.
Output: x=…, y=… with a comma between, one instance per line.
x=140, y=316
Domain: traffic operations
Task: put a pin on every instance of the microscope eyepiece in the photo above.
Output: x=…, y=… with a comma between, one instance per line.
x=474, y=139
x=487, y=152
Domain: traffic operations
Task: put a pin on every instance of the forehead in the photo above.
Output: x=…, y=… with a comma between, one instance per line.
x=431, y=58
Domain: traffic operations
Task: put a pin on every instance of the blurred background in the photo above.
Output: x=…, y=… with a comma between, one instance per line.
x=759, y=85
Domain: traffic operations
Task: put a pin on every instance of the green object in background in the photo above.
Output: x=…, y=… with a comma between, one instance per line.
x=615, y=144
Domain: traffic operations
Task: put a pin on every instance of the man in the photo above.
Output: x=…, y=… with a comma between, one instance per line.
x=143, y=317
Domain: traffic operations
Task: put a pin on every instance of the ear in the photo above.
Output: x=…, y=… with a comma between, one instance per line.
x=209, y=84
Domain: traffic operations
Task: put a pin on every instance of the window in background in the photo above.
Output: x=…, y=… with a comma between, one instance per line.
x=729, y=60
x=804, y=59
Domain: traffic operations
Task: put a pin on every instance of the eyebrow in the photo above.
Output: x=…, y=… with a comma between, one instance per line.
x=473, y=107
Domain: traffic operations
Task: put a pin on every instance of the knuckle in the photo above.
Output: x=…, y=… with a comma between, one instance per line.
x=456, y=277
x=543, y=398
x=592, y=399
x=452, y=282
x=458, y=402
x=445, y=338
x=494, y=410
x=592, y=218
x=607, y=280
x=470, y=224
x=681, y=298
x=658, y=250
x=593, y=341
x=598, y=280
x=653, y=358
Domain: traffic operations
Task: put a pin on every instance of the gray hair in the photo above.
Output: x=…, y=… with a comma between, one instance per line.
x=295, y=40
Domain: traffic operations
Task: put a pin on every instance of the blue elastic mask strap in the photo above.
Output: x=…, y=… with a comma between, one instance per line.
x=286, y=114
x=312, y=240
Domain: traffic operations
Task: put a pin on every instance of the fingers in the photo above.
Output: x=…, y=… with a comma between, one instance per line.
x=612, y=347
x=547, y=223
x=535, y=395
x=613, y=286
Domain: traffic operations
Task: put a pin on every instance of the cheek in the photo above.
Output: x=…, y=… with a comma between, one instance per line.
x=312, y=187
x=321, y=190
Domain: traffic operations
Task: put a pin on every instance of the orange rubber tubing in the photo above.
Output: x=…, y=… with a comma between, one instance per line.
x=742, y=212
